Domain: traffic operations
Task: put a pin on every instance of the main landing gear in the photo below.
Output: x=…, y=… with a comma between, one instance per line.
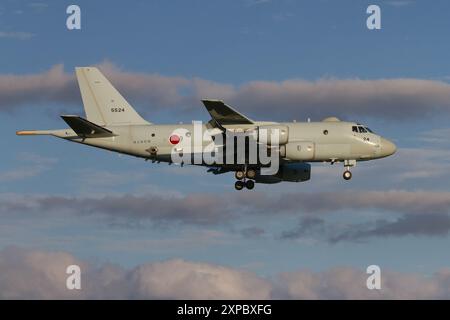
x=249, y=184
x=347, y=175
x=242, y=177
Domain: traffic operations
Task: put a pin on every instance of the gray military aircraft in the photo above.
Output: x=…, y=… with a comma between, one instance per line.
x=111, y=123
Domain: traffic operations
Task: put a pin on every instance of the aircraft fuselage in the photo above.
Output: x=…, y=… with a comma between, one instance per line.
x=330, y=141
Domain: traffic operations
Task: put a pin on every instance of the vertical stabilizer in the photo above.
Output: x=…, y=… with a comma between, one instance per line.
x=104, y=105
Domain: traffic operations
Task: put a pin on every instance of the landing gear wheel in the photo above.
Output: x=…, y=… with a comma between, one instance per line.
x=251, y=174
x=239, y=175
x=239, y=185
x=249, y=184
x=347, y=175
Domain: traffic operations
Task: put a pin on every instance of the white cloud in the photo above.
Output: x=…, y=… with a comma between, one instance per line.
x=400, y=212
x=38, y=6
x=251, y=3
x=19, y=35
x=35, y=274
x=399, y=3
x=436, y=136
x=383, y=98
x=178, y=279
x=34, y=165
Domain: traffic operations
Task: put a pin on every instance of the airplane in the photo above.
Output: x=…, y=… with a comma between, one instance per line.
x=111, y=123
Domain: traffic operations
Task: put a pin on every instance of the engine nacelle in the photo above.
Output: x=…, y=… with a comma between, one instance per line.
x=292, y=172
x=298, y=150
x=266, y=133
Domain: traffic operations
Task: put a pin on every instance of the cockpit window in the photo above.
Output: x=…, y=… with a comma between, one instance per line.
x=361, y=128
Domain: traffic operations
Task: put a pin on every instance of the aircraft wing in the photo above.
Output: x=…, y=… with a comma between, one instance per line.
x=224, y=115
x=87, y=129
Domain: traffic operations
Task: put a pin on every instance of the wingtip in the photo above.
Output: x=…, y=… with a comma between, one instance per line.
x=212, y=101
x=69, y=116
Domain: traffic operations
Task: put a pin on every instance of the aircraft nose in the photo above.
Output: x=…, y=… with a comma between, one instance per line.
x=387, y=147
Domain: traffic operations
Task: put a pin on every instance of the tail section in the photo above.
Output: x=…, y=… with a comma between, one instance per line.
x=103, y=104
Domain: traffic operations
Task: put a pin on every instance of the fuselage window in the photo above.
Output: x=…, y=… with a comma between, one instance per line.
x=362, y=130
x=355, y=129
x=368, y=130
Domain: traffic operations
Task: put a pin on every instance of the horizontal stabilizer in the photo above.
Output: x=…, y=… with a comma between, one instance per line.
x=87, y=129
x=223, y=114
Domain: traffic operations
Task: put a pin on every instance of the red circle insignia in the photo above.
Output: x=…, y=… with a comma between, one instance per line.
x=174, y=139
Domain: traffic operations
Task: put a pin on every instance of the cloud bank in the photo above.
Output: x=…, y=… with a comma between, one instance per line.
x=382, y=98
x=422, y=213
x=35, y=274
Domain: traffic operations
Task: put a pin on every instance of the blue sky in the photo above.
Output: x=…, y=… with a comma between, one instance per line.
x=229, y=43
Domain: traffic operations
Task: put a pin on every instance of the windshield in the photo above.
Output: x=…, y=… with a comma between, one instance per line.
x=361, y=129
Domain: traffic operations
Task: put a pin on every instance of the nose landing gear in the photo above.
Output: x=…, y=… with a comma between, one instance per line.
x=347, y=175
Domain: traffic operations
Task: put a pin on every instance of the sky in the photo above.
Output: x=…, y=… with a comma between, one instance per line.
x=143, y=230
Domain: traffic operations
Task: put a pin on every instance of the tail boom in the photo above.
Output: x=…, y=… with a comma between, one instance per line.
x=62, y=133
